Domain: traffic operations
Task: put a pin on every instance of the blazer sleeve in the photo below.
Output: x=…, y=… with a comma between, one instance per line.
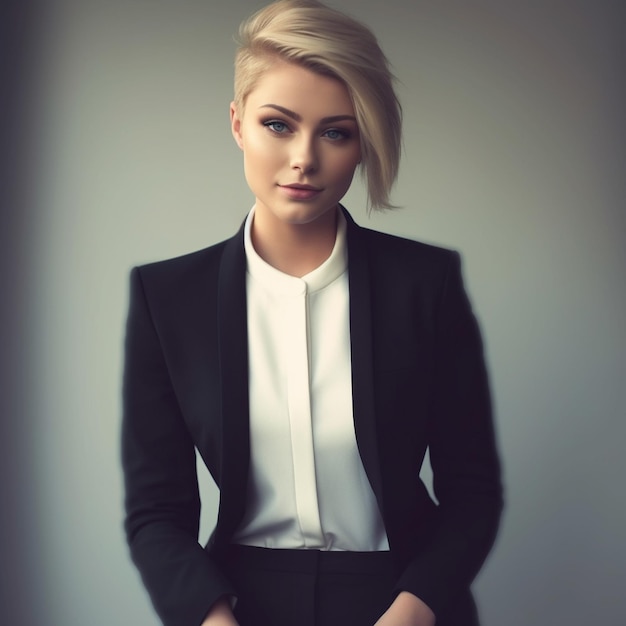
x=162, y=500
x=465, y=464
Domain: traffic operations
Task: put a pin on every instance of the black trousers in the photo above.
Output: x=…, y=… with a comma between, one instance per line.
x=310, y=587
x=317, y=588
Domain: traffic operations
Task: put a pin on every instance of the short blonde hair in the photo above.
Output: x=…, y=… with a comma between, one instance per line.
x=328, y=42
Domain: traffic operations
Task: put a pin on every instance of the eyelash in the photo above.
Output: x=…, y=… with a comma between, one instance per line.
x=269, y=124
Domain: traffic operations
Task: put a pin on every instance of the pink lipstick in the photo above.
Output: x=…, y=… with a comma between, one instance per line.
x=297, y=191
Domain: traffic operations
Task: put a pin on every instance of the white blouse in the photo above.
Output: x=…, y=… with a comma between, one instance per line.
x=307, y=485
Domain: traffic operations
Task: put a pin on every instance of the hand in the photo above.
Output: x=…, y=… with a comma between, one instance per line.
x=220, y=614
x=407, y=610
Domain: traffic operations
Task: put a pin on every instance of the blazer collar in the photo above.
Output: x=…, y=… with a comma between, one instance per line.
x=233, y=359
x=361, y=330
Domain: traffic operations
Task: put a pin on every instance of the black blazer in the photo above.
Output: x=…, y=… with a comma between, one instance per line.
x=419, y=381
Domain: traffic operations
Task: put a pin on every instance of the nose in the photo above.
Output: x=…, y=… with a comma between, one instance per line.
x=304, y=156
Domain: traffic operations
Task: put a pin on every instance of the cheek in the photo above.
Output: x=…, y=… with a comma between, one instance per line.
x=256, y=172
x=254, y=159
x=259, y=153
x=345, y=165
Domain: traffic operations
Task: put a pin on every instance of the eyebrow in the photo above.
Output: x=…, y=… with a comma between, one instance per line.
x=298, y=118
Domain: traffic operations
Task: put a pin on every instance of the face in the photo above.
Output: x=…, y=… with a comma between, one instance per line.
x=300, y=143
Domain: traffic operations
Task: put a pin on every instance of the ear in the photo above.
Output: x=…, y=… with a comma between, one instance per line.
x=235, y=125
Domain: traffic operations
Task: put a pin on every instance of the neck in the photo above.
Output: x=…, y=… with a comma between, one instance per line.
x=295, y=249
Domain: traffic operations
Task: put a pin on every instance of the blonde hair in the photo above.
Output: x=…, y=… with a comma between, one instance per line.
x=328, y=42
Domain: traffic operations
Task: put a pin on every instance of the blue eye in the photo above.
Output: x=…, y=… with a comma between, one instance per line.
x=336, y=134
x=276, y=126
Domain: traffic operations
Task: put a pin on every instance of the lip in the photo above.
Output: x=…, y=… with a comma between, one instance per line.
x=297, y=191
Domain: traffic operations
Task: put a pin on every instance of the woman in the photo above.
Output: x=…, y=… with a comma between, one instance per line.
x=311, y=362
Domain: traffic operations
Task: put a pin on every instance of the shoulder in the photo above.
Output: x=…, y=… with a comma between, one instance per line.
x=394, y=246
x=184, y=277
x=392, y=255
x=403, y=246
x=185, y=266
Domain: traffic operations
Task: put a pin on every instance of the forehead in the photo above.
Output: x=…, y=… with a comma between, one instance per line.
x=301, y=90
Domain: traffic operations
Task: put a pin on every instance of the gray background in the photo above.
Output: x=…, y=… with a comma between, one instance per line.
x=514, y=155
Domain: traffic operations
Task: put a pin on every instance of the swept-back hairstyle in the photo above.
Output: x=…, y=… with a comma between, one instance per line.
x=310, y=34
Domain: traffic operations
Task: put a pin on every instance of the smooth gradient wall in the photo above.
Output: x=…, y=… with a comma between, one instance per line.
x=514, y=155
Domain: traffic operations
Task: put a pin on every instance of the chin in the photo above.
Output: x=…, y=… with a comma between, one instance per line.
x=307, y=215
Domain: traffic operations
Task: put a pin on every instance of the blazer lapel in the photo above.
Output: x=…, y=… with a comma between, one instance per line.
x=362, y=360
x=233, y=358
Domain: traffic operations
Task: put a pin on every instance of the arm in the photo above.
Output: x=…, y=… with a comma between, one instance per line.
x=220, y=614
x=463, y=456
x=407, y=610
x=162, y=500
